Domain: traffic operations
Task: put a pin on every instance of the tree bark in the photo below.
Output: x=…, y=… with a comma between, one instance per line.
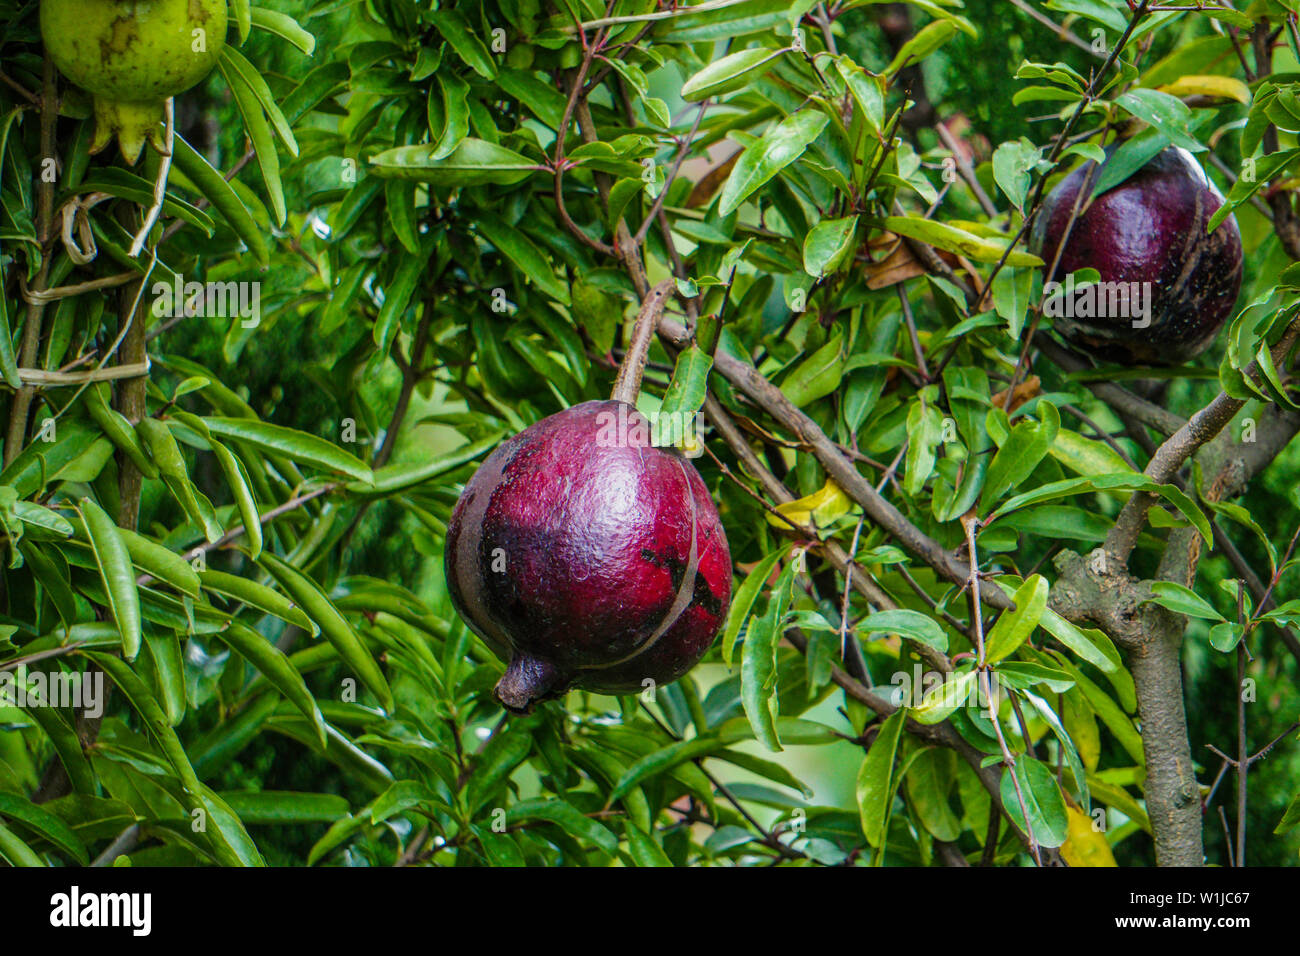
x=1172, y=794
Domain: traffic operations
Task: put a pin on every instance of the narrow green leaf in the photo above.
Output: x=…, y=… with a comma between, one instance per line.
x=114, y=562
x=742, y=602
x=875, y=792
x=275, y=666
x=335, y=628
x=296, y=445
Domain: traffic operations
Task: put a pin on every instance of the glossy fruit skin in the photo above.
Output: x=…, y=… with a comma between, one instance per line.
x=1150, y=228
x=131, y=55
x=585, y=557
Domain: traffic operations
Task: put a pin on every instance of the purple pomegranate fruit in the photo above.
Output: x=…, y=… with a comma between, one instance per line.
x=1167, y=285
x=586, y=557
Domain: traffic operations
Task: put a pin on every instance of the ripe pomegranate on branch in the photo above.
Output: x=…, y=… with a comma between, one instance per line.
x=1175, y=282
x=585, y=556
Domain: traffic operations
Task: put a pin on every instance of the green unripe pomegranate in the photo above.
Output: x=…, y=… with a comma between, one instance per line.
x=131, y=55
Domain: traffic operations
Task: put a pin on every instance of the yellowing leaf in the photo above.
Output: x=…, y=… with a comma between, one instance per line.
x=1226, y=87
x=1085, y=846
x=1087, y=456
x=818, y=509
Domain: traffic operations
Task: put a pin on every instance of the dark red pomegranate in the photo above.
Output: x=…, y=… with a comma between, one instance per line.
x=1167, y=285
x=586, y=557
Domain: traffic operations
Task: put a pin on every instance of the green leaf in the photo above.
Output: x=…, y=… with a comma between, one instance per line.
x=118, y=430
x=1170, y=115
x=867, y=90
x=285, y=808
x=399, y=203
x=285, y=27
x=912, y=625
x=1048, y=822
x=274, y=665
x=1182, y=600
x=458, y=33
x=397, y=299
x=1130, y=156
x=1088, y=643
x=1265, y=169
x=253, y=80
x=168, y=668
x=742, y=602
x=1226, y=635
x=162, y=447
x=924, y=435
x=828, y=244
x=642, y=847
x=455, y=108
x=758, y=671
x=224, y=199
x=336, y=629
x=15, y=851
x=684, y=397
x=1129, y=482
x=1291, y=817
x=930, y=777
x=1013, y=166
x=127, y=185
x=521, y=250
x=403, y=476
x=296, y=445
x=941, y=702
x=566, y=816
x=44, y=823
x=114, y=562
x=926, y=41
x=1116, y=721
x=259, y=596
x=723, y=21
x=504, y=752
x=875, y=789
x=259, y=134
x=474, y=162
x=943, y=236
x=731, y=72
x=779, y=146
x=818, y=375
x=192, y=792
x=160, y=562
x=1014, y=627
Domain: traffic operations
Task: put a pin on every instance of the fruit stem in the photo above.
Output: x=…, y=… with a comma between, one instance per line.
x=528, y=681
x=628, y=384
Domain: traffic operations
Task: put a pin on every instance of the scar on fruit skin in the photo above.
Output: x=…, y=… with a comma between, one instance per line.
x=121, y=36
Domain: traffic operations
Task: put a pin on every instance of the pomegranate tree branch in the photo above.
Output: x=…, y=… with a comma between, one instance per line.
x=1200, y=429
x=767, y=396
x=561, y=164
x=1117, y=397
x=627, y=386
x=830, y=549
x=22, y=403
x=682, y=149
